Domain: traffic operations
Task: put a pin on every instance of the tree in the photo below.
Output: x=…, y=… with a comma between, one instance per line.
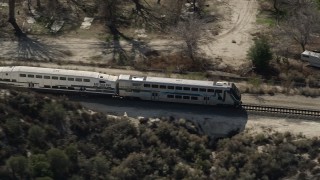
x=59, y=162
x=109, y=9
x=279, y=7
x=38, y=4
x=12, y=18
x=36, y=135
x=190, y=33
x=54, y=113
x=39, y=166
x=260, y=54
x=18, y=165
x=302, y=21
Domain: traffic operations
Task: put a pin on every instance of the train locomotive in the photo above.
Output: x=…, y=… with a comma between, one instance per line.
x=125, y=86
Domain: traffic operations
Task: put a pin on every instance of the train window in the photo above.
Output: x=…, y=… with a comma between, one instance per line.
x=46, y=77
x=23, y=75
x=39, y=76
x=146, y=85
x=194, y=89
x=86, y=80
x=154, y=86
x=163, y=87
x=170, y=96
x=55, y=87
x=46, y=86
x=218, y=91
x=79, y=79
x=30, y=75
x=55, y=77
x=194, y=98
x=178, y=97
x=13, y=80
x=186, y=97
x=71, y=88
x=178, y=88
x=206, y=98
x=136, y=84
x=70, y=79
x=170, y=87
x=63, y=78
x=186, y=88
x=102, y=82
x=202, y=90
x=210, y=90
x=135, y=90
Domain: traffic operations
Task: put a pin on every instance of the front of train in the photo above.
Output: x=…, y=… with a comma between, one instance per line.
x=235, y=92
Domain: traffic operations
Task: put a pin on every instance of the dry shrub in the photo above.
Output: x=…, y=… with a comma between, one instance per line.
x=171, y=62
x=260, y=89
x=265, y=6
x=272, y=90
x=312, y=92
x=297, y=76
x=67, y=52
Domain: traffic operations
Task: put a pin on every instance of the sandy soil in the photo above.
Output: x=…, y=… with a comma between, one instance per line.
x=237, y=24
x=235, y=37
x=283, y=100
x=263, y=123
x=259, y=124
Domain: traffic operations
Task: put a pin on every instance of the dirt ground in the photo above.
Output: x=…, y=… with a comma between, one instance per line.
x=237, y=25
x=257, y=124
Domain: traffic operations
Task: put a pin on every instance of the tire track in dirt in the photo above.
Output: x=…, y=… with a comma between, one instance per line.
x=231, y=44
x=243, y=19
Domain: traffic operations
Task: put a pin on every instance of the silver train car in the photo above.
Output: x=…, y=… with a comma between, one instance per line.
x=179, y=90
x=126, y=86
x=58, y=79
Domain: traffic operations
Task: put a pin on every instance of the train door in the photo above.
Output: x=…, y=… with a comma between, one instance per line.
x=31, y=85
x=221, y=96
x=206, y=100
x=155, y=96
x=117, y=88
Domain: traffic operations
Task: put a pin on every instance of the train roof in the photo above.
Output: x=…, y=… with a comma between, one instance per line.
x=5, y=69
x=311, y=53
x=40, y=70
x=161, y=80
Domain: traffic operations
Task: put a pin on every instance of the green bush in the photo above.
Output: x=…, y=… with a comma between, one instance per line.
x=39, y=166
x=18, y=165
x=260, y=54
x=36, y=135
x=59, y=162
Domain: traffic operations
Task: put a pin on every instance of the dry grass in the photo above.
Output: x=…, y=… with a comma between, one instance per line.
x=168, y=63
x=272, y=90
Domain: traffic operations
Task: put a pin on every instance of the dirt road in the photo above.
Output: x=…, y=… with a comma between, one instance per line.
x=235, y=37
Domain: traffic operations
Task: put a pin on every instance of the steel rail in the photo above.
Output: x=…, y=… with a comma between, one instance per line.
x=281, y=110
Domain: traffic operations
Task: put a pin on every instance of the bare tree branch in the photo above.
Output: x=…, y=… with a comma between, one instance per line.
x=302, y=21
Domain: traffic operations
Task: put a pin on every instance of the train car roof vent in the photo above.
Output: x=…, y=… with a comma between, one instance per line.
x=136, y=78
x=221, y=83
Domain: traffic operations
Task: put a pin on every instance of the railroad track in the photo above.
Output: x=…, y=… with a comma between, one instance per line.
x=281, y=110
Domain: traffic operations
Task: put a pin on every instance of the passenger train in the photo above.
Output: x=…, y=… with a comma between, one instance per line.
x=126, y=86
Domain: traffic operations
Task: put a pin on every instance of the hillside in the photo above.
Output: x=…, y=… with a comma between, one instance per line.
x=46, y=137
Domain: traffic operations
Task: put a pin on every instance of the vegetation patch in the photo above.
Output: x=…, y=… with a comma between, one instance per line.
x=43, y=137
